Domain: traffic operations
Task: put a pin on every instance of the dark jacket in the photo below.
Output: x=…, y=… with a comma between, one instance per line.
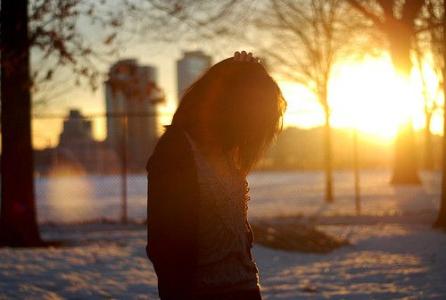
x=173, y=214
x=172, y=210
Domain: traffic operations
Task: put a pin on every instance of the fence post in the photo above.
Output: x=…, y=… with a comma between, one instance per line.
x=356, y=172
x=124, y=170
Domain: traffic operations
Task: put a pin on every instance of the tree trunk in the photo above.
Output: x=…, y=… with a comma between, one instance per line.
x=441, y=219
x=405, y=161
x=428, y=155
x=400, y=33
x=405, y=166
x=18, y=224
x=356, y=175
x=328, y=158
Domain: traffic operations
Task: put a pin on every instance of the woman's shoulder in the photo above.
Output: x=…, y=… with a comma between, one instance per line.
x=172, y=148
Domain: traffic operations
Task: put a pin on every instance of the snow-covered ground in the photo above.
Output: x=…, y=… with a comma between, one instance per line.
x=386, y=261
x=394, y=253
x=68, y=199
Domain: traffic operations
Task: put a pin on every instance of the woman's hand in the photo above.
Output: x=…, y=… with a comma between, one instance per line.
x=243, y=56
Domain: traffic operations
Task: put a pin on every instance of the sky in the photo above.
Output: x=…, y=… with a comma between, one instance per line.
x=364, y=94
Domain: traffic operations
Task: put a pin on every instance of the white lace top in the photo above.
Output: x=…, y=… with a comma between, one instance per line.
x=224, y=257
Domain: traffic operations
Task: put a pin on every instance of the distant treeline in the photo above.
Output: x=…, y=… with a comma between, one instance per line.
x=302, y=149
x=294, y=149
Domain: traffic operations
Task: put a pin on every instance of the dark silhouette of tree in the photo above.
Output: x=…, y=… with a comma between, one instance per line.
x=18, y=225
x=396, y=20
x=428, y=49
x=49, y=29
x=430, y=107
x=441, y=219
x=307, y=38
x=59, y=36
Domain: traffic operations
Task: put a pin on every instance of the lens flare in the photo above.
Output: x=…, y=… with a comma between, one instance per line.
x=69, y=195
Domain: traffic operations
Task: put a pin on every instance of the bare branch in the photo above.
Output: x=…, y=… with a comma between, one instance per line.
x=367, y=13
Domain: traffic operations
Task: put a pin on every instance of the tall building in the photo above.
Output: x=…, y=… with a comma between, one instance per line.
x=132, y=93
x=76, y=130
x=189, y=69
x=77, y=150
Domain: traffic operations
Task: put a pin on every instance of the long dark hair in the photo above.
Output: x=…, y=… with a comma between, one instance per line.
x=240, y=106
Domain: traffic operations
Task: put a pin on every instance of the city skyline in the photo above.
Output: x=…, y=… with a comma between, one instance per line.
x=303, y=110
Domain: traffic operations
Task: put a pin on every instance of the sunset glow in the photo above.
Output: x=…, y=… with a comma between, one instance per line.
x=366, y=95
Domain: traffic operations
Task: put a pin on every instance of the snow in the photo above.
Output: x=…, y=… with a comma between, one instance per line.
x=73, y=199
x=386, y=261
x=394, y=253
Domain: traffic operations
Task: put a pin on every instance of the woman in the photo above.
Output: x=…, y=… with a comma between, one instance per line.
x=199, y=239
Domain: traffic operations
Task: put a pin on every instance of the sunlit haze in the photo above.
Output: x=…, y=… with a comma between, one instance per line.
x=366, y=95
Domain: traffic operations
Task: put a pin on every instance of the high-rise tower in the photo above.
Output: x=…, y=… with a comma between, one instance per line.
x=131, y=92
x=189, y=68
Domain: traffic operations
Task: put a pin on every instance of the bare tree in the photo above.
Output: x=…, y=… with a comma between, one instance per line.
x=17, y=207
x=49, y=28
x=306, y=39
x=74, y=36
x=430, y=106
x=428, y=50
x=396, y=20
x=441, y=219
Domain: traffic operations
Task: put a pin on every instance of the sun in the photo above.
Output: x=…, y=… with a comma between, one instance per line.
x=372, y=97
x=368, y=95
